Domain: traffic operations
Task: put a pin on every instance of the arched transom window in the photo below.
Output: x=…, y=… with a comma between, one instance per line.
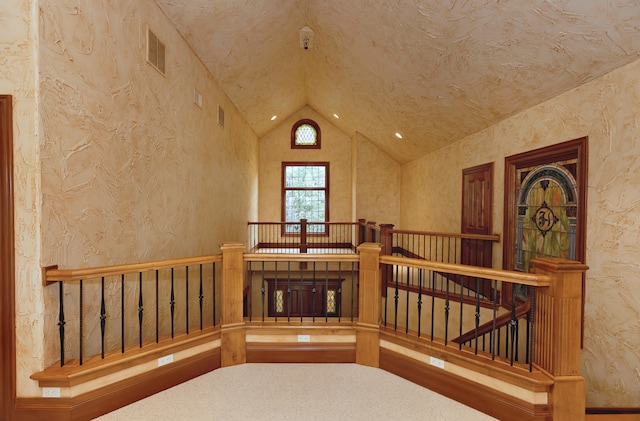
x=305, y=134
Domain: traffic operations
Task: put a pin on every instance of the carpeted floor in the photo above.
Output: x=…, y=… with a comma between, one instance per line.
x=296, y=392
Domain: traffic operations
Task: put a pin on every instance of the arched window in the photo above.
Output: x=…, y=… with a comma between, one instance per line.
x=305, y=134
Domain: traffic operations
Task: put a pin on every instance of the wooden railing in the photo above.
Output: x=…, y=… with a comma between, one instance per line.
x=550, y=384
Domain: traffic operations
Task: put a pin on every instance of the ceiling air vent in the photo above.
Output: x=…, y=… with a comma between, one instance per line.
x=220, y=116
x=155, y=51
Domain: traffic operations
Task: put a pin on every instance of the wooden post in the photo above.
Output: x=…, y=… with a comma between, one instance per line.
x=558, y=309
x=368, y=326
x=303, y=236
x=233, y=348
x=362, y=233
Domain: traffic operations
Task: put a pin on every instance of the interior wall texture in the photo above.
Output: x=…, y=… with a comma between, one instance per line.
x=114, y=163
x=377, y=183
x=18, y=75
x=275, y=148
x=605, y=110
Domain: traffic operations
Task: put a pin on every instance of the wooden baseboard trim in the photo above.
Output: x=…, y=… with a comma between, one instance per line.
x=613, y=411
x=278, y=352
x=116, y=395
x=472, y=394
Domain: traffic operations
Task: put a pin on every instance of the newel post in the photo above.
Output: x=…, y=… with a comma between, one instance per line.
x=232, y=330
x=386, y=240
x=368, y=326
x=557, y=321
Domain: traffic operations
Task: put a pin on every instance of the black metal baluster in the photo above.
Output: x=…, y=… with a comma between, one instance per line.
x=492, y=336
x=61, y=322
x=420, y=271
x=339, y=302
x=408, y=272
x=455, y=282
x=395, y=298
x=289, y=291
x=326, y=292
x=532, y=311
x=157, y=307
x=433, y=303
x=81, y=320
x=477, y=313
x=513, y=322
x=313, y=295
x=122, y=313
x=275, y=291
x=262, y=291
x=353, y=277
x=300, y=294
x=213, y=273
x=186, y=298
x=103, y=317
x=200, y=296
x=172, y=304
x=140, y=310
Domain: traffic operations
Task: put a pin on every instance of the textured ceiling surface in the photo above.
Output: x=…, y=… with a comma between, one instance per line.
x=433, y=70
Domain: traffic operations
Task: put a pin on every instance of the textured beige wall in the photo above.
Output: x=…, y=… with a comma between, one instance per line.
x=131, y=170
x=18, y=78
x=275, y=147
x=377, y=183
x=606, y=110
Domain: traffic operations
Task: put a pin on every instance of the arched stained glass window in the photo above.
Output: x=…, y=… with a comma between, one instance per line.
x=305, y=134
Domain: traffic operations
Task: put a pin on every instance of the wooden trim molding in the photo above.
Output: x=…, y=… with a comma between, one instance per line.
x=7, y=262
x=109, y=398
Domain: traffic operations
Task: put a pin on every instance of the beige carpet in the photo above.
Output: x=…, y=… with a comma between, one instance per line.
x=296, y=392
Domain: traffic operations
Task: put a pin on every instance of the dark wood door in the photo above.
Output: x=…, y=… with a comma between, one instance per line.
x=304, y=298
x=477, y=219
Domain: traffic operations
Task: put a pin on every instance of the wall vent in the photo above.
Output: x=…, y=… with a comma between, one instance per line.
x=155, y=52
x=220, y=116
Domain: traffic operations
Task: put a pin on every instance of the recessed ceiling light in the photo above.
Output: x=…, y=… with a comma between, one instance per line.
x=336, y=115
x=398, y=135
x=273, y=117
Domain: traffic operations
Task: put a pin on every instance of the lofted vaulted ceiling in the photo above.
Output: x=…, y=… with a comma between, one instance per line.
x=433, y=70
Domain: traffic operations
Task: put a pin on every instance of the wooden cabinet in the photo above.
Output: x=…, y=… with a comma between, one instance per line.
x=304, y=297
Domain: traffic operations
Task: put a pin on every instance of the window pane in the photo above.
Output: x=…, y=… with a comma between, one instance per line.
x=305, y=135
x=305, y=204
x=305, y=176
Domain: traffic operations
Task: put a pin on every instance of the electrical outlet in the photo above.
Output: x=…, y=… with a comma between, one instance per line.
x=436, y=362
x=50, y=392
x=304, y=338
x=165, y=360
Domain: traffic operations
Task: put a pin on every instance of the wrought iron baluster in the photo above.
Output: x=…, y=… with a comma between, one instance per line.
x=532, y=311
x=433, y=303
x=172, y=304
x=262, y=291
x=420, y=271
x=61, y=322
x=513, y=322
x=186, y=298
x=200, y=296
x=103, y=317
x=289, y=291
x=395, y=298
x=313, y=294
x=81, y=319
x=455, y=282
x=275, y=289
x=492, y=336
x=157, y=307
x=140, y=310
x=122, y=313
x=213, y=276
x=477, y=314
x=408, y=272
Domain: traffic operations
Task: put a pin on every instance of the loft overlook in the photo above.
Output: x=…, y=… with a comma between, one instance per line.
x=434, y=71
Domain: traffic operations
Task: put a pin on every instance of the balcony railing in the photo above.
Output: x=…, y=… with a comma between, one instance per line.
x=271, y=305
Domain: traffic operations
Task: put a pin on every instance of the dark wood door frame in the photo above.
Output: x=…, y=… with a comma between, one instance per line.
x=577, y=148
x=7, y=281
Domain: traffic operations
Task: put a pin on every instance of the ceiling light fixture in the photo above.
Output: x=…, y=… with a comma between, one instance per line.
x=306, y=38
x=336, y=115
x=398, y=135
x=273, y=117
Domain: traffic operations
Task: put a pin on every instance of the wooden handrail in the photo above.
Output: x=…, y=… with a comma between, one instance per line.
x=489, y=237
x=500, y=322
x=281, y=257
x=65, y=275
x=474, y=271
